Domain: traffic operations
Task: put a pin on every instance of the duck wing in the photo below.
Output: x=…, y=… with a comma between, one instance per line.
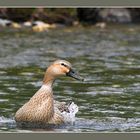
x=62, y=106
x=70, y=107
x=67, y=110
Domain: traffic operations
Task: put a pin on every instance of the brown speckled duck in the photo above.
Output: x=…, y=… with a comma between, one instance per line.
x=42, y=108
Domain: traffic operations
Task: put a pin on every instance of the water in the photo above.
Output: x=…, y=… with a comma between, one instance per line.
x=109, y=59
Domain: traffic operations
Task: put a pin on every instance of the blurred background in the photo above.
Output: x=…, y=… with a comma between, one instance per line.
x=69, y=15
x=103, y=44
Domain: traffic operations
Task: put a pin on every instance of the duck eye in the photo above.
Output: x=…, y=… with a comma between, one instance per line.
x=63, y=64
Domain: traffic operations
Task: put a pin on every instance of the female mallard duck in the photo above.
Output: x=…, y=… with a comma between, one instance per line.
x=42, y=108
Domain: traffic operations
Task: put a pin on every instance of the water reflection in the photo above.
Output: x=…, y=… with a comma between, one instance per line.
x=109, y=60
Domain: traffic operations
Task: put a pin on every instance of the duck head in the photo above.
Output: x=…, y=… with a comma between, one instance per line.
x=61, y=68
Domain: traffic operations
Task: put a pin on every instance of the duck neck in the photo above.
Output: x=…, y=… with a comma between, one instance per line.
x=48, y=81
x=47, y=87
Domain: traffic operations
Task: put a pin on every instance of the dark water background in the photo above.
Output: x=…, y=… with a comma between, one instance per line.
x=109, y=59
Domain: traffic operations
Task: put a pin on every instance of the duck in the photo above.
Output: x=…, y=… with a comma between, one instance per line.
x=42, y=108
x=101, y=25
x=16, y=25
x=5, y=22
x=9, y=23
x=40, y=26
x=27, y=24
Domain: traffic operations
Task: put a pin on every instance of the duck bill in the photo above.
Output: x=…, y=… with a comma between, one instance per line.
x=74, y=75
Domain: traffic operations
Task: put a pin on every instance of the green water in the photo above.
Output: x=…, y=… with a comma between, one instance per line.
x=109, y=59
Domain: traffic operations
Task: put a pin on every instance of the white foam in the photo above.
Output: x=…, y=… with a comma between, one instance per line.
x=69, y=117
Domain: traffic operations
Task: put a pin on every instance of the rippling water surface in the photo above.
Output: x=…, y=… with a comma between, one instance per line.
x=109, y=59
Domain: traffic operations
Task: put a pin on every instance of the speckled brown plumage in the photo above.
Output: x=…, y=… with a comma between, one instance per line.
x=42, y=108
